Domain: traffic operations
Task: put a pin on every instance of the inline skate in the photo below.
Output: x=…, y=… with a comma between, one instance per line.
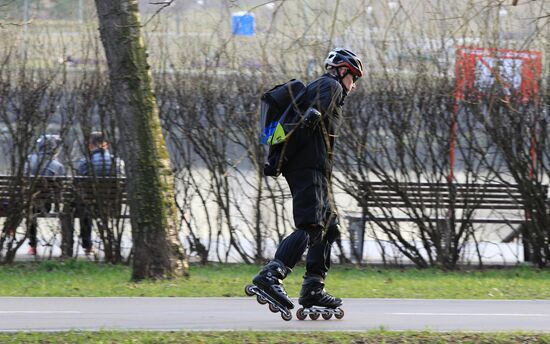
x=268, y=288
x=315, y=301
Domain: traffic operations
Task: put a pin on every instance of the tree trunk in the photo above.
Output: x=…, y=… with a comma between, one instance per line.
x=157, y=249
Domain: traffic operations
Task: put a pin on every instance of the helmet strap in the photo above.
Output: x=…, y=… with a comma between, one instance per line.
x=341, y=80
x=340, y=77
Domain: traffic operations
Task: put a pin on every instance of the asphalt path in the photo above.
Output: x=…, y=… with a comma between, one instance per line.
x=244, y=313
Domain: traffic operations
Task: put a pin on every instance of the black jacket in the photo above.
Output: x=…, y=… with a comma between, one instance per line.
x=307, y=148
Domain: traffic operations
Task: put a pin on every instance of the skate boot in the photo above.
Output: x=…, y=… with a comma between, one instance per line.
x=316, y=301
x=268, y=288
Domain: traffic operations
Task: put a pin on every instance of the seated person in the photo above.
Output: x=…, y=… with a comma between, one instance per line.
x=42, y=162
x=98, y=163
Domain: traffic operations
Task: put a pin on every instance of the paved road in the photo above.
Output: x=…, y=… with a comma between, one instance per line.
x=52, y=314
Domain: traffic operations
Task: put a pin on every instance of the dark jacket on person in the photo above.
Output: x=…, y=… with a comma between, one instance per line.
x=306, y=147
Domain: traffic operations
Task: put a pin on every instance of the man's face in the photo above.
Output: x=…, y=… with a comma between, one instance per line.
x=92, y=146
x=349, y=80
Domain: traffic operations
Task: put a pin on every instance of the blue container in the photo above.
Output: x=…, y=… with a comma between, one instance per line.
x=243, y=24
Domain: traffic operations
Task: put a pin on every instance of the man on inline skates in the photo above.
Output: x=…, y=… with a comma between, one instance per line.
x=307, y=168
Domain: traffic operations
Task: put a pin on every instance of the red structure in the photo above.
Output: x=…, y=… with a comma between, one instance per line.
x=478, y=71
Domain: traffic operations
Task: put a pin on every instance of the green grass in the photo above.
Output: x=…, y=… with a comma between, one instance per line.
x=80, y=278
x=269, y=337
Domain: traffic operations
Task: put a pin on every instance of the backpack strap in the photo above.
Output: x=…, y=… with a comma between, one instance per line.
x=326, y=139
x=294, y=103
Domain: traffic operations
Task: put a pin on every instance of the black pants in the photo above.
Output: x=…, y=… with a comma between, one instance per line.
x=33, y=225
x=85, y=215
x=315, y=219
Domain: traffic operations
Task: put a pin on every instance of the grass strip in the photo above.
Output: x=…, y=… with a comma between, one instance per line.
x=379, y=336
x=81, y=278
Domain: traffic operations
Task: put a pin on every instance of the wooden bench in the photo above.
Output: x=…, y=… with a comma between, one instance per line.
x=440, y=202
x=108, y=194
x=19, y=194
x=429, y=198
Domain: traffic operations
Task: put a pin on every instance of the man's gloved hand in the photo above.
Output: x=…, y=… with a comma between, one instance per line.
x=311, y=118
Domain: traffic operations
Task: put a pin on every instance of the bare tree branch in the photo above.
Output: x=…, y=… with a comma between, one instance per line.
x=163, y=5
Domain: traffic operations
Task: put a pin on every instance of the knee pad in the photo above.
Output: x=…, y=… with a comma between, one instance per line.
x=315, y=233
x=333, y=233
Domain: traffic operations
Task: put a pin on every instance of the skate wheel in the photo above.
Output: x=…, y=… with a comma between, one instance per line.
x=340, y=314
x=314, y=316
x=326, y=316
x=300, y=314
x=261, y=300
x=286, y=316
x=248, y=290
x=273, y=308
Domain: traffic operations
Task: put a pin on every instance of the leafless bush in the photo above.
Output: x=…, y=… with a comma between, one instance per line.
x=517, y=132
x=29, y=101
x=397, y=126
x=401, y=133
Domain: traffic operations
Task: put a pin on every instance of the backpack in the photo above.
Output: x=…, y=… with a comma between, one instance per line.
x=275, y=103
x=275, y=122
